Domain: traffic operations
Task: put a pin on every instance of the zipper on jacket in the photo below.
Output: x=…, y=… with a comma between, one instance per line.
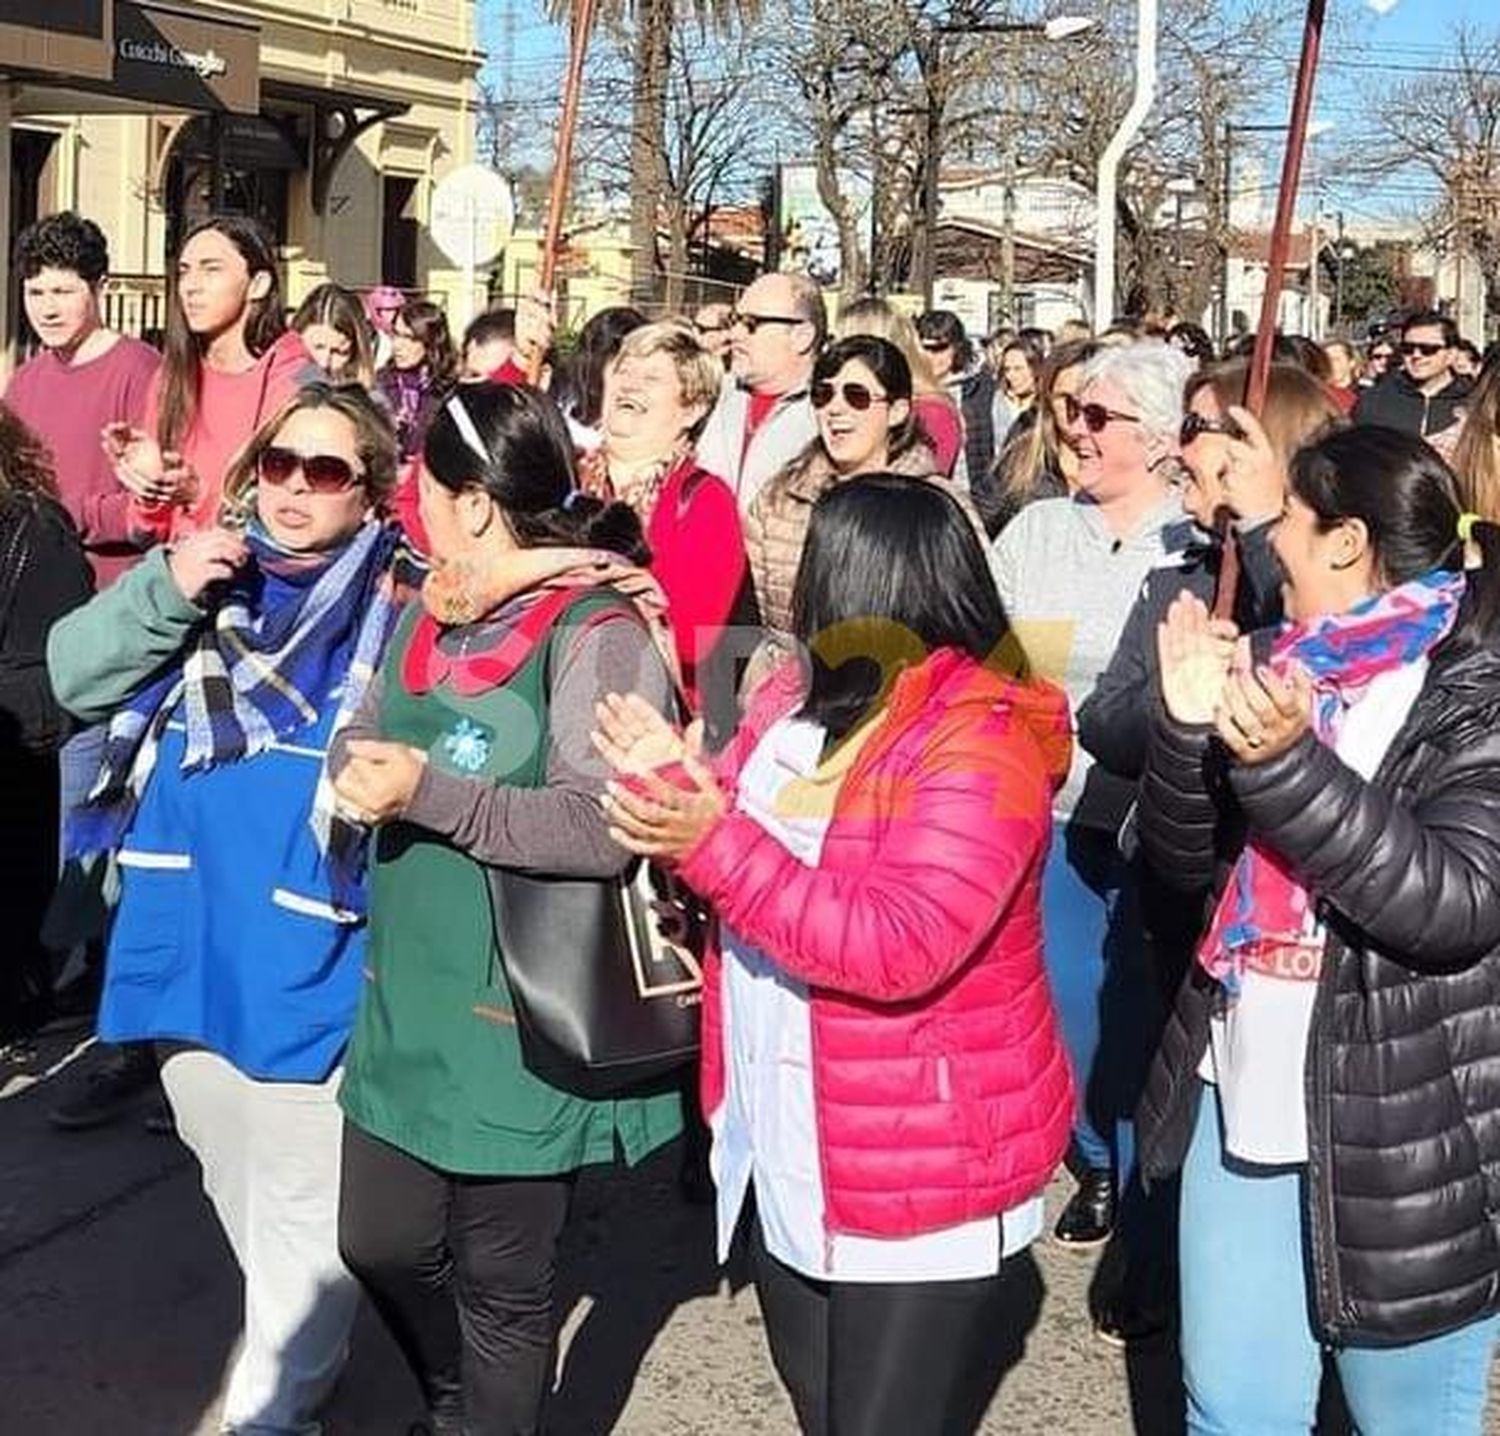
x=1321, y=1246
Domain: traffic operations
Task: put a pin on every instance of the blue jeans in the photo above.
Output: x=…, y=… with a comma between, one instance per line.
x=1250, y=1359
x=1105, y=998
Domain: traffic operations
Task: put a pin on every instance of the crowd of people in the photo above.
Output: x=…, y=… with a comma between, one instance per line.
x=1069, y=764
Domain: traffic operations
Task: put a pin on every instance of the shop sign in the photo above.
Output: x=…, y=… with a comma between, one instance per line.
x=173, y=58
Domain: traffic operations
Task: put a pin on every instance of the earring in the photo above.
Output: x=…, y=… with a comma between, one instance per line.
x=451, y=593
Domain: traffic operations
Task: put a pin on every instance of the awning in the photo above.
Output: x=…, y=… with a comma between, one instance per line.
x=162, y=56
x=58, y=37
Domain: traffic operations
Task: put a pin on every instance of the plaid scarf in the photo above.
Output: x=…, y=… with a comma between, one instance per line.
x=250, y=676
x=1265, y=918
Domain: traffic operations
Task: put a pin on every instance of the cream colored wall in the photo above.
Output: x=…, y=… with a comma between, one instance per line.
x=420, y=51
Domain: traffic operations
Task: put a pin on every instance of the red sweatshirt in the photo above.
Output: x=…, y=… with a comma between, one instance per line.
x=67, y=406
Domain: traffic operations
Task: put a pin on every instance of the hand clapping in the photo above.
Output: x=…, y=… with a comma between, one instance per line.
x=648, y=815
x=1195, y=652
x=379, y=780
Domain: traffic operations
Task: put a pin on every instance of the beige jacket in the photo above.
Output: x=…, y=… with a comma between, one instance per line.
x=776, y=524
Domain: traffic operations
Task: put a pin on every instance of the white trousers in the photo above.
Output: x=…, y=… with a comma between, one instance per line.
x=270, y=1158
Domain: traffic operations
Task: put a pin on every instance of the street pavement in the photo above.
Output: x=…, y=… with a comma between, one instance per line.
x=120, y=1306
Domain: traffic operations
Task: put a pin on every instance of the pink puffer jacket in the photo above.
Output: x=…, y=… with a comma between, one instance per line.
x=941, y=1086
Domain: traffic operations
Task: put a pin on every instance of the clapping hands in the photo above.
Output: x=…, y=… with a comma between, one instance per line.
x=153, y=475
x=647, y=814
x=1258, y=715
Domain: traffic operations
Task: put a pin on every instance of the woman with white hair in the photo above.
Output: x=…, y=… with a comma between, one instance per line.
x=1069, y=570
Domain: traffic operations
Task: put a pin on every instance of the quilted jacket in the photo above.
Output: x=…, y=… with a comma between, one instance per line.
x=940, y=1083
x=1402, y=1197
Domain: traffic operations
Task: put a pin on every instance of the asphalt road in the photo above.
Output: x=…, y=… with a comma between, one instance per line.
x=120, y=1307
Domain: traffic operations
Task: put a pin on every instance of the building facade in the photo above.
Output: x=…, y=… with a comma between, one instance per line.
x=329, y=121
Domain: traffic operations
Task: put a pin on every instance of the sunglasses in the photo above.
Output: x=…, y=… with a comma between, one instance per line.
x=1410, y=347
x=1195, y=425
x=751, y=322
x=1095, y=416
x=325, y=473
x=935, y=346
x=858, y=397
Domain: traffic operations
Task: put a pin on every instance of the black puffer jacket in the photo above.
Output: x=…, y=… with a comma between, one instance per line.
x=1114, y=721
x=1403, y=1072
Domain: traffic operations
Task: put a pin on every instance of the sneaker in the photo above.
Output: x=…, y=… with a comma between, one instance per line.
x=1089, y=1217
x=109, y=1090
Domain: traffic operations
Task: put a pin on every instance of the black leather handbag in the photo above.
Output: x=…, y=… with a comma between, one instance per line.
x=606, y=977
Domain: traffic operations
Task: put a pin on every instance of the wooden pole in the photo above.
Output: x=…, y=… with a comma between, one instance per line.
x=562, y=165
x=1281, y=237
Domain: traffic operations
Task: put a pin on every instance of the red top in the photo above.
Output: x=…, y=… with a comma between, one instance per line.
x=938, y=418
x=698, y=557
x=940, y=1084
x=231, y=407
x=67, y=406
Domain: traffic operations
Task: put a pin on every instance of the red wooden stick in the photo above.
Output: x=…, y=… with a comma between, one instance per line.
x=1281, y=238
x=562, y=165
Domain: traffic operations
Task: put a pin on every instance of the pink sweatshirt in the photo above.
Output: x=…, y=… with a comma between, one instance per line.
x=231, y=407
x=67, y=406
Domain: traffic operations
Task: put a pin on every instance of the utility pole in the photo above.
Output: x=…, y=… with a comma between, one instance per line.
x=1008, y=199
x=1314, y=296
x=929, y=58
x=1338, y=281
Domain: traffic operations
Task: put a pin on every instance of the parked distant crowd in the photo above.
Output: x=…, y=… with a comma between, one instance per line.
x=1001, y=750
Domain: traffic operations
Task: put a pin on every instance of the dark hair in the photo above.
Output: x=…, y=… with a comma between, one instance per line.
x=182, y=352
x=944, y=328
x=1035, y=357
x=1398, y=486
x=1431, y=320
x=892, y=569
x=63, y=241
x=1469, y=347
x=429, y=327
x=579, y=389
x=1193, y=340
x=25, y=463
x=492, y=324
x=341, y=309
x=374, y=439
x=529, y=471
x=888, y=364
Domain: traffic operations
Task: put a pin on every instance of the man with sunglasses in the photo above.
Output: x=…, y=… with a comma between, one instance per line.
x=1424, y=395
x=763, y=419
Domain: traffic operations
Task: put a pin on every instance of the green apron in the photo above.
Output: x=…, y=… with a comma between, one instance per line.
x=434, y=1066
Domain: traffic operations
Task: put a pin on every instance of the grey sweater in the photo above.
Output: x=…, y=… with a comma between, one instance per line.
x=1068, y=585
x=559, y=827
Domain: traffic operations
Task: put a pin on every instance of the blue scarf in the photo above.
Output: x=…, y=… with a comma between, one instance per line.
x=251, y=676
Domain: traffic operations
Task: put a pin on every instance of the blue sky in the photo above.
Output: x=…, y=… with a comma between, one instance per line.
x=1365, y=49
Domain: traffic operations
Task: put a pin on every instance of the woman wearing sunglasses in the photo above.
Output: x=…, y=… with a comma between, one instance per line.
x=882, y=1069
x=1040, y=458
x=1069, y=572
x=861, y=394
x=223, y=666
x=1329, y=1086
x=1234, y=474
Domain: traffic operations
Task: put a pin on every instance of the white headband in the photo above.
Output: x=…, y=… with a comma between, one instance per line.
x=466, y=430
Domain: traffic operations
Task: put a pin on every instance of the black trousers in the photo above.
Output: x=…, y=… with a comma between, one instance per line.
x=893, y=1359
x=461, y=1270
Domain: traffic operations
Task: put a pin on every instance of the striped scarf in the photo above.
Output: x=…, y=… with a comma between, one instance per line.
x=250, y=677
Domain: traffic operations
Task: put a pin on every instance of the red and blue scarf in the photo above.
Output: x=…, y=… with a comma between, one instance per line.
x=1263, y=909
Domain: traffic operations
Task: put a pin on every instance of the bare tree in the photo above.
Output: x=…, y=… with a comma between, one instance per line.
x=1449, y=132
x=712, y=149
